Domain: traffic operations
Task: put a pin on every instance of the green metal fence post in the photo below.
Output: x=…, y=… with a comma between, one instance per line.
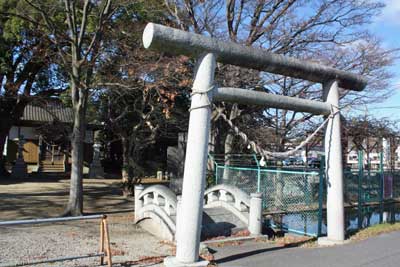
x=359, y=187
x=368, y=164
x=216, y=173
x=216, y=168
x=321, y=195
x=258, y=174
x=305, y=223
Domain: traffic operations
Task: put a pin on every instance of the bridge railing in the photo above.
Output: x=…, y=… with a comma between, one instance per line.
x=158, y=195
x=161, y=200
x=228, y=193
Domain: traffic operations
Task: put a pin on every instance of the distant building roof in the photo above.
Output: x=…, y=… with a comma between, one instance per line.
x=48, y=113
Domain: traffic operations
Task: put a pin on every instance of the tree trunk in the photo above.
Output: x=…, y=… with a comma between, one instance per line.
x=228, y=144
x=368, y=150
x=228, y=147
x=211, y=148
x=3, y=136
x=125, y=159
x=135, y=156
x=75, y=202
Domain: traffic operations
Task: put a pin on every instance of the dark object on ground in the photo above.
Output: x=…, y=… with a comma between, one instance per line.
x=271, y=233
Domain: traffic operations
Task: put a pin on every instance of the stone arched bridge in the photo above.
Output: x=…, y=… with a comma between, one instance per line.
x=227, y=209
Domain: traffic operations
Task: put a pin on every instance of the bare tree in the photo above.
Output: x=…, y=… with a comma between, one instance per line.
x=143, y=94
x=329, y=31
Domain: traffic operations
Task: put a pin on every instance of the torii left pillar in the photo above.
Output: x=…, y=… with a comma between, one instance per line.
x=191, y=209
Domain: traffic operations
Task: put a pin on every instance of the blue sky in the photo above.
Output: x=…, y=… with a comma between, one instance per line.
x=387, y=28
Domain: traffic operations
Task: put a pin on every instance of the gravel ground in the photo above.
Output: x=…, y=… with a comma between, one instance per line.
x=43, y=197
x=37, y=242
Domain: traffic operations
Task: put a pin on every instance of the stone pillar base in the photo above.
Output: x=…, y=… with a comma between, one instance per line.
x=19, y=170
x=96, y=171
x=326, y=242
x=95, y=168
x=255, y=214
x=173, y=262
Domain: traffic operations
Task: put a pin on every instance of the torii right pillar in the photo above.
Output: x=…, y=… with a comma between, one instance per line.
x=333, y=169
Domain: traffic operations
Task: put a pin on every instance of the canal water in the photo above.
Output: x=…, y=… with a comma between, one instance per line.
x=306, y=223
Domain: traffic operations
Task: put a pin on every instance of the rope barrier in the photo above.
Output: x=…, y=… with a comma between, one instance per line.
x=196, y=91
x=257, y=149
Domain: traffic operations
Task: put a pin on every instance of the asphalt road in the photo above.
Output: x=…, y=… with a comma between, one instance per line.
x=383, y=250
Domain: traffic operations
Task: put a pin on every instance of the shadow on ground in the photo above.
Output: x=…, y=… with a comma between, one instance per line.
x=47, y=197
x=246, y=249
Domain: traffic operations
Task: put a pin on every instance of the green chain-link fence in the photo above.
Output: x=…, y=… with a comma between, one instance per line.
x=368, y=189
x=295, y=197
x=290, y=197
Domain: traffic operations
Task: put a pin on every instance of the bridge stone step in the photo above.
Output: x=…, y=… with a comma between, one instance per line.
x=220, y=222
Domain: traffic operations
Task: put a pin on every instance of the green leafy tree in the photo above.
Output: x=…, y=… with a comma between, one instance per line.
x=75, y=29
x=25, y=69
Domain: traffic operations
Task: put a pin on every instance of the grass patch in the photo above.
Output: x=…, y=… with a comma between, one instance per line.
x=375, y=230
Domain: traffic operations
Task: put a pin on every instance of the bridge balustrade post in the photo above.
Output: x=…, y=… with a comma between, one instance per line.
x=178, y=214
x=156, y=199
x=168, y=208
x=138, y=203
x=255, y=214
x=224, y=196
x=211, y=197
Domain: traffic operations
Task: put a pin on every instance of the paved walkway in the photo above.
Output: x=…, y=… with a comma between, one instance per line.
x=383, y=250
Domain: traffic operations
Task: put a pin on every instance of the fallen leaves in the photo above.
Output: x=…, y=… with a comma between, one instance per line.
x=241, y=233
x=292, y=240
x=117, y=252
x=146, y=260
x=375, y=230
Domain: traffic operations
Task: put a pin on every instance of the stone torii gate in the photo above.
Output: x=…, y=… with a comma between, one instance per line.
x=208, y=51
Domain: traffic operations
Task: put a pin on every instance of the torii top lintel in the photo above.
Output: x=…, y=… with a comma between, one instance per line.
x=178, y=42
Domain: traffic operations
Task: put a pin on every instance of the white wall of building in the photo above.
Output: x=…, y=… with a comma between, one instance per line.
x=30, y=133
x=27, y=132
x=5, y=147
